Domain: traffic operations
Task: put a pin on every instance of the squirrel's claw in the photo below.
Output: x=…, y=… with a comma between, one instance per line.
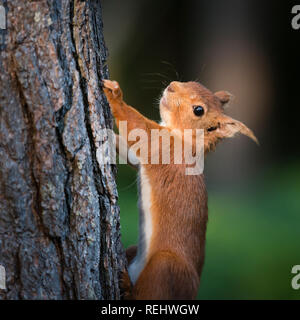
x=112, y=89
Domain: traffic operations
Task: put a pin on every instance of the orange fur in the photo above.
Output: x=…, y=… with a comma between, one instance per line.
x=178, y=202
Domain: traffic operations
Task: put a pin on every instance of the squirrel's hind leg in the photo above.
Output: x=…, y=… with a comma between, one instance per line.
x=166, y=277
x=126, y=285
x=131, y=253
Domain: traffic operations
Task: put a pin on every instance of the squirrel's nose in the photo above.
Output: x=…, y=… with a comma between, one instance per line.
x=173, y=86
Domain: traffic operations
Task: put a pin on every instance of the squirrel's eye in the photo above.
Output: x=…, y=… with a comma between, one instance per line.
x=198, y=111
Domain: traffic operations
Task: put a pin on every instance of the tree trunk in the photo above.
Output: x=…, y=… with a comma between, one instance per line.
x=59, y=218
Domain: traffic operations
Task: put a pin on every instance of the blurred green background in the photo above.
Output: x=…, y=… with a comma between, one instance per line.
x=248, y=48
x=252, y=236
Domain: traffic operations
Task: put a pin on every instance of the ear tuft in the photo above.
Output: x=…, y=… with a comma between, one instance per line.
x=224, y=96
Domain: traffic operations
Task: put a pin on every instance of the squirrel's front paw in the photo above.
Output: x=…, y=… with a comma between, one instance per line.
x=112, y=90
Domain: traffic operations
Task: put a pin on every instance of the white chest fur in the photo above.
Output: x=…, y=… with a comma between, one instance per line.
x=140, y=260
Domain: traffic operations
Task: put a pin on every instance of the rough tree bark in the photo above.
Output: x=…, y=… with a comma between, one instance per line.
x=59, y=218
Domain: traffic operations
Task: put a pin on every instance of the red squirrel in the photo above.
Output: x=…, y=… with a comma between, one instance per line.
x=168, y=260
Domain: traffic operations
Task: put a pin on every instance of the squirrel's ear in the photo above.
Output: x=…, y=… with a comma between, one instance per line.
x=229, y=127
x=224, y=96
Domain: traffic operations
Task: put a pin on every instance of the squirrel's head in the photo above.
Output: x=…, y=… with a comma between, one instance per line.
x=189, y=105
